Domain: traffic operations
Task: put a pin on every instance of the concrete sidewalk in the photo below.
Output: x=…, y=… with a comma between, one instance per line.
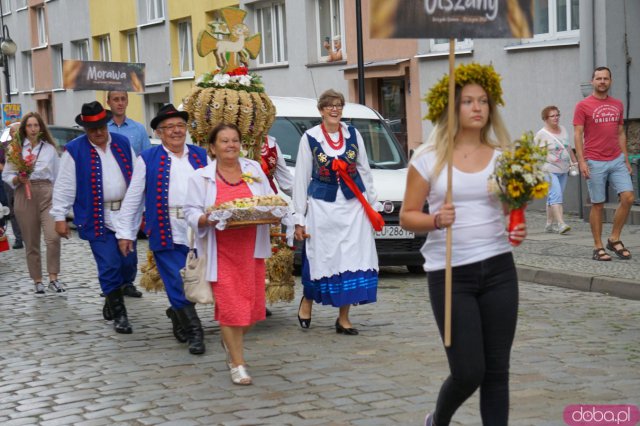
x=565, y=260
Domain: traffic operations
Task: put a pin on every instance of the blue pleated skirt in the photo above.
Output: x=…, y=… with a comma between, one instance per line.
x=345, y=288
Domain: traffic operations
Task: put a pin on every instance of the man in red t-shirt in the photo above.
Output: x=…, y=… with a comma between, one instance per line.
x=602, y=157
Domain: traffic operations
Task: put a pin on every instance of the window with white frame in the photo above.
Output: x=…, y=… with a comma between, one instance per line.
x=330, y=30
x=553, y=19
x=80, y=49
x=28, y=71
x=42, y=26
x=57, y=66
x=6, y=7
x=442, y=44
x=132, y=46
x=21, y=4
x=155, y=10
x=185, y=44
x=271, y=23
x=104, y=45
x=13, y=74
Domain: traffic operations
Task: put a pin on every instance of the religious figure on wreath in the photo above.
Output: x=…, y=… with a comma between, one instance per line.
x=228, y=38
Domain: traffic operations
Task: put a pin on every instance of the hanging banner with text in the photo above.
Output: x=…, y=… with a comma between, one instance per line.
x=97, y=75
x=451, y=19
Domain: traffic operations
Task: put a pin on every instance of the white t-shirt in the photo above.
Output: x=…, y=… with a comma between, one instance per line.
x=558, y=146
x=479, y=230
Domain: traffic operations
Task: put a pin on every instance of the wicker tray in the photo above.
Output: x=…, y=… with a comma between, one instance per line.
x=242, y=223
x=260, y=215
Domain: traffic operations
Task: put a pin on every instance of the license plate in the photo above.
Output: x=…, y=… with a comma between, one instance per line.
x=393, y=232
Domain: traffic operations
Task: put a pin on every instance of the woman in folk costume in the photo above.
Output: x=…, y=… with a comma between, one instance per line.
x=33, y=197
x=484, y=280
x=274, y=166
x=236, y=257
x=340, y=263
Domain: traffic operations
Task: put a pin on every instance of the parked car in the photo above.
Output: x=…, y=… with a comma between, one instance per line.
x=394, y=245
x=62, y=134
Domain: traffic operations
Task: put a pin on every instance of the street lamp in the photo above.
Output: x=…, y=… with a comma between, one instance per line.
x=8, y=48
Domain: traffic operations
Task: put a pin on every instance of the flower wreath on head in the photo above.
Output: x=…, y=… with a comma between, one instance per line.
x=484, y=75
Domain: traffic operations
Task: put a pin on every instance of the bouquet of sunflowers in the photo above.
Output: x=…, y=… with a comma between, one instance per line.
x=518, y=177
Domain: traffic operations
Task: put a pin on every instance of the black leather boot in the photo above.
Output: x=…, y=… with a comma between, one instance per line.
x=106, y=312
x=118, y=312
x=178, y=331
x=131, y=290
x=191, y=324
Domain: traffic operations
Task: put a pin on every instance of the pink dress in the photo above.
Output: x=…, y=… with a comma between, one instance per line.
x=239, y=292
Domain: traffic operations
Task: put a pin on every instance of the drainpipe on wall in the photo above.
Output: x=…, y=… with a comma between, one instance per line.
x=587, y=64
x=361, y=89
x=587, y=46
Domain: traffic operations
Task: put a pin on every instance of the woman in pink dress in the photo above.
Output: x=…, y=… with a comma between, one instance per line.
x=235, y=262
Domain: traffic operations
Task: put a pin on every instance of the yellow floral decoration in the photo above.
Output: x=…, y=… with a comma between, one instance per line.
x=438, y=97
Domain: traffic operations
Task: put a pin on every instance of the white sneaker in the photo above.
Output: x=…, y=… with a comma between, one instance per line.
x=563, y=228
x=39, y=288
x=56, y=286
x=552, y=228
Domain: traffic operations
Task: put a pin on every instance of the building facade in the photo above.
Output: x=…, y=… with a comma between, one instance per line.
x=309, y=46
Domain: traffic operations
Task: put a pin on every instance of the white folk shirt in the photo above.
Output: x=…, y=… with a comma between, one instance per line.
x=46, y=168
x=304, y=168
x=181, y=171
x=114, y=185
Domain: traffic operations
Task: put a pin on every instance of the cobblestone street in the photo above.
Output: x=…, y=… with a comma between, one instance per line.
x=61, y=363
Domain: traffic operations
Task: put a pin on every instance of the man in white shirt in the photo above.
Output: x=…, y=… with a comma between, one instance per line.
x=159, y=183
x=95, y=171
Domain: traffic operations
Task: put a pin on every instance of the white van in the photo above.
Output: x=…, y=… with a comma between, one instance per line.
x=388, y=166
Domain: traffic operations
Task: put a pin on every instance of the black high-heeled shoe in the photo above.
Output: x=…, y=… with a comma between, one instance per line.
x=344, y=330
x=304, y=322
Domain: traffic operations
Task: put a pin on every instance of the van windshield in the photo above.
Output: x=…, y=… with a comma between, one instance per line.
x=382, y=149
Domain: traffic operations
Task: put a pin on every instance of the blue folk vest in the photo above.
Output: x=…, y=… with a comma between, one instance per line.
x=88, y=206
x=157, y=220
x=324, y=181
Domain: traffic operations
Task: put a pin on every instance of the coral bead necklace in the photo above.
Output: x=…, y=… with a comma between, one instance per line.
x=335, y=145
x=238, y=183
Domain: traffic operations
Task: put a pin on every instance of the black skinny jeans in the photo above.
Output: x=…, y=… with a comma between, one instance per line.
x=483, y=323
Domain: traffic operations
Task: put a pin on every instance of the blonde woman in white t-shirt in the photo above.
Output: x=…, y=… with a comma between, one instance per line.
x=485, y=284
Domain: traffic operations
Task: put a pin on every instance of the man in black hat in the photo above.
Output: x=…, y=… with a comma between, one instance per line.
x=95, y=171
x=160, y=184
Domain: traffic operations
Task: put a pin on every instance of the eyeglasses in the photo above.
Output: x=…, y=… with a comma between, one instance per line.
x=553, y=116
x=171, y=127
x=337, y=107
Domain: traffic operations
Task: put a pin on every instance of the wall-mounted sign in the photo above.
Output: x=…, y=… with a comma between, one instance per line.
x=451, y=19
x=11, y=113
x=97, y=75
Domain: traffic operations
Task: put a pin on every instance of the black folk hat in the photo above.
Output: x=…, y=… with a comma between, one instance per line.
x=93, y=115
x=168, y=111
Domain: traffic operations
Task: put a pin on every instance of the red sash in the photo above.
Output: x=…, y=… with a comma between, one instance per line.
x=340, y=166
x=268, y=162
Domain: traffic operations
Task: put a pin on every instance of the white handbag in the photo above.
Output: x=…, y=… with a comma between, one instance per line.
x=196, y=287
